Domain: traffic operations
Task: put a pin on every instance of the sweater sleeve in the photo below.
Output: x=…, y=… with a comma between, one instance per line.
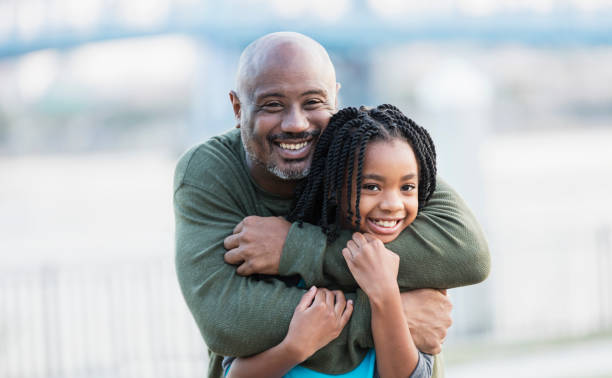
x=236, y=315
x=443, y=248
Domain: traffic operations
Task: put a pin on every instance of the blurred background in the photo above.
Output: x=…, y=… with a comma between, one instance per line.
x=98, y=99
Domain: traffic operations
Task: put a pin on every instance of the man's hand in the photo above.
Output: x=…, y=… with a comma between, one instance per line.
x=257, y=245
x=427, y=312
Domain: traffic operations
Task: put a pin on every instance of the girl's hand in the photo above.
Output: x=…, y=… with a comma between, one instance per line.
x=373, y=266
x=317, y=320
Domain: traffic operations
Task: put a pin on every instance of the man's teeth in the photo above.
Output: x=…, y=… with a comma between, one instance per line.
x=293, y=146
x=384, y=223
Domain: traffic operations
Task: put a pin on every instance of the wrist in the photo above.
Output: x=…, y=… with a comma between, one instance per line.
x=293, y=351
x=384, y=297
x=293, y=260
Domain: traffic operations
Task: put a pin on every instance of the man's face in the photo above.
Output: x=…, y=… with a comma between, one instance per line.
x=282, y=111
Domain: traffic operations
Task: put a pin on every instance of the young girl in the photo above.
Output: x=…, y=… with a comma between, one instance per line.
x=372, y=170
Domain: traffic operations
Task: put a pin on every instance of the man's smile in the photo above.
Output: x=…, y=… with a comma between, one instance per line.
x=294, y=147
x=294, y=150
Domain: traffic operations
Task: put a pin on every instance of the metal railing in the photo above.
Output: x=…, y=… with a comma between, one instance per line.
x=97, y=321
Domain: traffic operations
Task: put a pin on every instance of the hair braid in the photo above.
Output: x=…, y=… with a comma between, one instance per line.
x=364, y=141
x=349, y=167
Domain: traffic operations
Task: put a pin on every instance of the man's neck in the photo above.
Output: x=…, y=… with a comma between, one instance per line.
x=271, y=183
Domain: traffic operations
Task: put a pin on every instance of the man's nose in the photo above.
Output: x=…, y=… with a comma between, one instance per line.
x=294, y=120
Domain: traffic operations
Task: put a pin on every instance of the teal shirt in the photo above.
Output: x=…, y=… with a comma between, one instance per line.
x=364, y=370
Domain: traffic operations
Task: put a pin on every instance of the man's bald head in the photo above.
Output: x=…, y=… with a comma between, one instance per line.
x=286, y=92
x=278, y=50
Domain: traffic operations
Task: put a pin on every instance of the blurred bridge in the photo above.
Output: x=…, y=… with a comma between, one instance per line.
x=30, y=25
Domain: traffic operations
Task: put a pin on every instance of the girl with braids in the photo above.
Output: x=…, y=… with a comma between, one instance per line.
x=372, y=170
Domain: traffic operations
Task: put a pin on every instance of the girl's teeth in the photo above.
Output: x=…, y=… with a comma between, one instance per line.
x=383, y=223
x=293, y=146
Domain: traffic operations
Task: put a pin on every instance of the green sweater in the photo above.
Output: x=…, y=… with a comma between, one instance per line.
x=241, y=316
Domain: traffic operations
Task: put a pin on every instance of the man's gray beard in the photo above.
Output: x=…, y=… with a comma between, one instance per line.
x=288, y=174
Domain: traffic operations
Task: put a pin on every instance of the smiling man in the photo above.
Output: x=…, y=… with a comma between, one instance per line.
x=284, y=99
x=238, y=261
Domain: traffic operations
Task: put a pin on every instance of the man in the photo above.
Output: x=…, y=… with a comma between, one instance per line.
x=231, y=190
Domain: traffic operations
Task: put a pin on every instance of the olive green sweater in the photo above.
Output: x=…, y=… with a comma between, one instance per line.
x=241, y=316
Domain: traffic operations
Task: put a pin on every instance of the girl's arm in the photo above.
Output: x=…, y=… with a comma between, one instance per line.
x=396, y=354
x=318, y=319
x=375, y=270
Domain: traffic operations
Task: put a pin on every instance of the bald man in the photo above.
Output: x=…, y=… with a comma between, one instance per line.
x=238, y=261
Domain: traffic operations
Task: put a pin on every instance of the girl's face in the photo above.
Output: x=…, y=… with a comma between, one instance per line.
x=389, y=190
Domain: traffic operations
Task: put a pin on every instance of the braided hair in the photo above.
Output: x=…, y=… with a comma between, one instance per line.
x=343, y=142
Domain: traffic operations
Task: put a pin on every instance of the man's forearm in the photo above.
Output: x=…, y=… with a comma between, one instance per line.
x=443, y=248
x=240, y=316
x=224, y=305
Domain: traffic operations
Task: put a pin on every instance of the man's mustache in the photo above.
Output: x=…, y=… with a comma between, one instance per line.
x=290, y=136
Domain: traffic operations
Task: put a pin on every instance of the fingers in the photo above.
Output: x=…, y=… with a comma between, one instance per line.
x=351, y=253
x=231, y=242
x=348, y=311
x=326, y=297
x=343, y=308
x=363, y=243
x=233, y=257
x=373, y=240
x=340, y=302
x=348, y=256
x=245, y=269
x=320, y=296
x=307, y=298
x=354, y=248
x=329, y=299
x=359, y=239
x=370, y=237
x=238, y=227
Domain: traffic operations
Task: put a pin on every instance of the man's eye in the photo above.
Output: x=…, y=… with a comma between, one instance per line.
x=408, y=187
x=373, y=187
x=312, y=103
x=272, y=106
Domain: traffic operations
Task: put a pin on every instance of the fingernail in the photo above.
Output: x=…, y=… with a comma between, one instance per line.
x=313, y=288
x=350, y=301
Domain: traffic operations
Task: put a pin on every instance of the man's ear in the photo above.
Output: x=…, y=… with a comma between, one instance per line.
x=236, y=106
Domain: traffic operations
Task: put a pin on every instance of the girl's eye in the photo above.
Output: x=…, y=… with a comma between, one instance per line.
x=408, y=187
x=370, y=187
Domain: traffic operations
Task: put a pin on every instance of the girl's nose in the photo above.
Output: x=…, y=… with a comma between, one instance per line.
x=391, y=202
